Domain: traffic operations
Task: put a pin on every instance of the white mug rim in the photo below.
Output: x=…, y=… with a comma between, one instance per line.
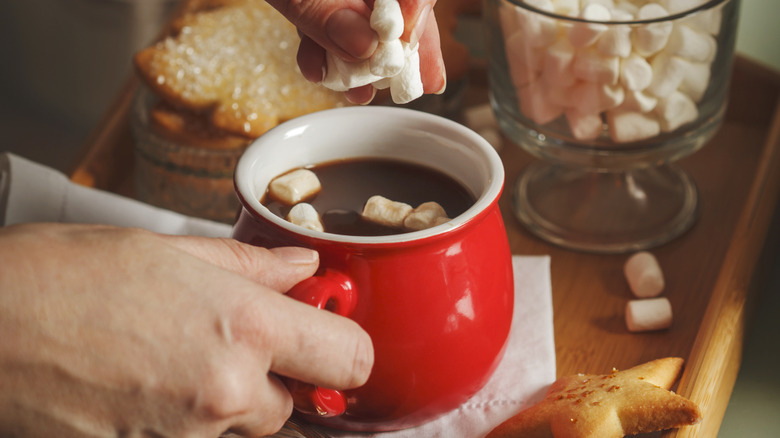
x=426, y=124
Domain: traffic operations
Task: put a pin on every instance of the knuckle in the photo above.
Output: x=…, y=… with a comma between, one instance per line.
x=222, y=393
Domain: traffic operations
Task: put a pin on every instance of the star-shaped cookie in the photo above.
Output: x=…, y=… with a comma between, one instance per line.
x=636, y=400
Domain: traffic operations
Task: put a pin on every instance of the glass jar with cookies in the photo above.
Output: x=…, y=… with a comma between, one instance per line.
x=224, y=75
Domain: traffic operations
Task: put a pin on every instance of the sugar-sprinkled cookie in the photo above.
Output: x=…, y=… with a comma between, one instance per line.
x=636, y=400
x=233, y=60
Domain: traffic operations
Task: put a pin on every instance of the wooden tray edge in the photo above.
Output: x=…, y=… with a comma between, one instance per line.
x=715, y=357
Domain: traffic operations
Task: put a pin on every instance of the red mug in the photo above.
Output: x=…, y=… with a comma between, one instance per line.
x=437, y=303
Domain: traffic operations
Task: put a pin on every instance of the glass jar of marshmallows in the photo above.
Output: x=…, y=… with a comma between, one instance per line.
x=614, y=91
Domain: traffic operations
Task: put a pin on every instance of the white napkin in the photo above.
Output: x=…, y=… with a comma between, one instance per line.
x=522, y=376
x=30, y=192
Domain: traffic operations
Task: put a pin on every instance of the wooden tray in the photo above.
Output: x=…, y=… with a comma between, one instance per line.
x=712, y=272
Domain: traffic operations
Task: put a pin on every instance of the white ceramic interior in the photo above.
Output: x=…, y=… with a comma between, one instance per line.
x=379, y=132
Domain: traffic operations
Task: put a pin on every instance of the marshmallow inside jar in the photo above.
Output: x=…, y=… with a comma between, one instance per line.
x=556, y=67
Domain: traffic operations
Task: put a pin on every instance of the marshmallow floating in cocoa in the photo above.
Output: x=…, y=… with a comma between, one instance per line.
x=294, y=187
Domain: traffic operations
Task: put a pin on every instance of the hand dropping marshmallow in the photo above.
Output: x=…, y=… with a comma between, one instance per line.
x=394, y=64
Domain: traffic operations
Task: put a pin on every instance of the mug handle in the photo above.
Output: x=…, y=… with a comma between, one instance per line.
x=333, y=291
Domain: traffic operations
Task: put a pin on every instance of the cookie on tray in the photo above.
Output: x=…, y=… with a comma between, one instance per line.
x=636, y=400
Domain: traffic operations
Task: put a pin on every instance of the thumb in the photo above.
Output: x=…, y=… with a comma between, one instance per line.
x=277, y=268
x=340, y=26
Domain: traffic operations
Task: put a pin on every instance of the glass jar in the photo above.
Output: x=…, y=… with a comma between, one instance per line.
x=609, y=96
x=182, y=164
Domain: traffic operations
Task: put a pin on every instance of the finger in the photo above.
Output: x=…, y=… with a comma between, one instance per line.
x=432, y=70
x=299, y=335
x=311, y=59
x=237, y=395
x=278, y=268
x=361, y=95
x=416, y=13
x=340, y=27
x=267, y=415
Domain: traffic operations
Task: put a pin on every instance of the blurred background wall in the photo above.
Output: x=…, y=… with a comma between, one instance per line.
x=758, y=36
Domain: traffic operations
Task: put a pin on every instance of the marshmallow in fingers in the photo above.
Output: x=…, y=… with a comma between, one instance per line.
x=407, y=84
x=394, y=64
x=388, y=59
x=387, y=20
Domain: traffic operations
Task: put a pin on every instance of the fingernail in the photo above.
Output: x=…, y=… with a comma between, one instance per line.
x=352, y=33
x=296, y=255
x=444, y=84
x=361, y=95
x=419, y=28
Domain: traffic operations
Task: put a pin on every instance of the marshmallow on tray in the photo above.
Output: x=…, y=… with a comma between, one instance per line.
x=394, y=64
x=644, y=275
x=649, y=314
